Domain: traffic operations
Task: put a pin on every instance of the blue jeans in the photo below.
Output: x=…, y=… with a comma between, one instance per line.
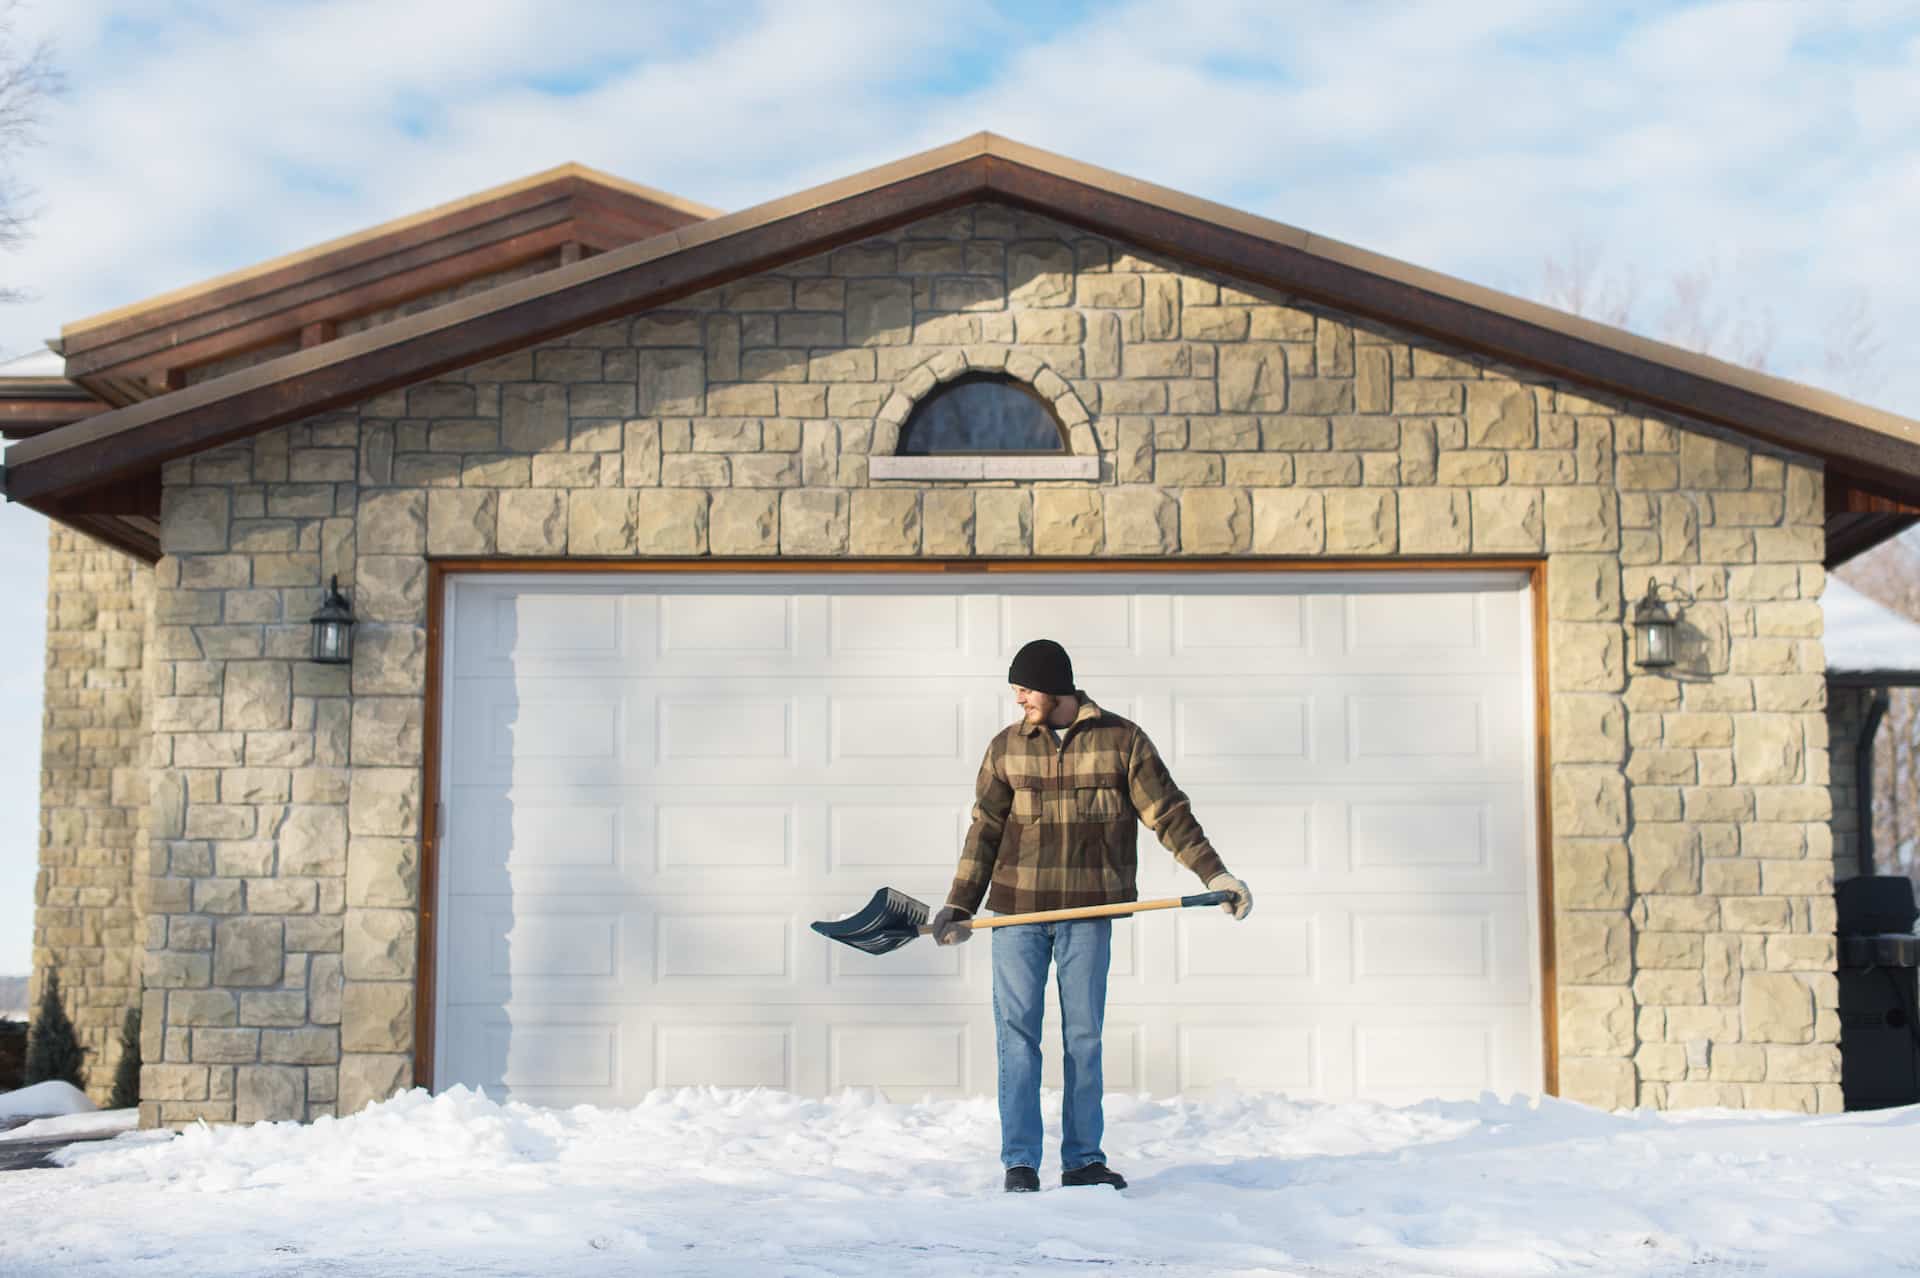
x=1081, y=950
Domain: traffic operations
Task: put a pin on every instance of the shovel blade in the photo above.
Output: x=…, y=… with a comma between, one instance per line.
x=882, y=925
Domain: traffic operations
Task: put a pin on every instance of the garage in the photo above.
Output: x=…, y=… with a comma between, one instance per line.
x=650, y=782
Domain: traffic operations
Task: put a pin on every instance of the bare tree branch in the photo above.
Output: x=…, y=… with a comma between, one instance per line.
x=1577, y=281
x=27, y=80
x=1699, y=316
x=1852, y=360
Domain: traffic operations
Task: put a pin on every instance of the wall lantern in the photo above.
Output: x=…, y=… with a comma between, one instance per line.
x=1653, y=628
x=333, y=629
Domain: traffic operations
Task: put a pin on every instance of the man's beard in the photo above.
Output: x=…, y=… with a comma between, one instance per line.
x=1041, y=710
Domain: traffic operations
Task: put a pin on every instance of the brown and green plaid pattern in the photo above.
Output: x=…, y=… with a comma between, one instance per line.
x=1053, y=825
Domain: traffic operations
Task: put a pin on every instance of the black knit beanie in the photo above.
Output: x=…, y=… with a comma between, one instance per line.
x=1043, y=666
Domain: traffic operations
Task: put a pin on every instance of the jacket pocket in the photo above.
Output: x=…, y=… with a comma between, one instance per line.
x=1098, y=803
x=1026, y=804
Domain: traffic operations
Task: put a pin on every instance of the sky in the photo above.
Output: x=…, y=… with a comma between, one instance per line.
x=1770, y=149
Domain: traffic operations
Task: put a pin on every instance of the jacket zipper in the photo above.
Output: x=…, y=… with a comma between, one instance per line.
x=1059, y=773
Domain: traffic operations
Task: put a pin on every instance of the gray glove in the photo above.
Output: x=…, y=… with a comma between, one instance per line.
x=1242, y=903
x=952, y=925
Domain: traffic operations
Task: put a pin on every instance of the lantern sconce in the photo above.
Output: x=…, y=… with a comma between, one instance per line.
x=333, y=629
x=1653, y=629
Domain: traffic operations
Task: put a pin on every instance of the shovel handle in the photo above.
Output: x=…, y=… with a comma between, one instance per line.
x=1102, y=911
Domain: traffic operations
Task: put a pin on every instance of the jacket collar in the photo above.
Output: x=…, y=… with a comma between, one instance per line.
x=1087, y=712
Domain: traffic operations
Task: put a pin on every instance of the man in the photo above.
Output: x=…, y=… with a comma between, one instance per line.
x=1053, y=828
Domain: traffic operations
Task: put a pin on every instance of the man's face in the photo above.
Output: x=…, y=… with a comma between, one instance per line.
x=1035, y=706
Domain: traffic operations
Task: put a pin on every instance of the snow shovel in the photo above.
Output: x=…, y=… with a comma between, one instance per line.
x=892, y=918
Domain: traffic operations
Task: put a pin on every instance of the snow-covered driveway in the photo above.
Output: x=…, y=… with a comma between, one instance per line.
x=705, y=1181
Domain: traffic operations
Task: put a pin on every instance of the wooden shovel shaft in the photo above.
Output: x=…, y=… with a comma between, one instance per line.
x=1098, y=911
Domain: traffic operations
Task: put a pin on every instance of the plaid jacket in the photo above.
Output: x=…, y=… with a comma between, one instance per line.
x=1053, y=823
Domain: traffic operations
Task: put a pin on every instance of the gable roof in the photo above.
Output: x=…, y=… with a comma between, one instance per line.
x=1868, y=450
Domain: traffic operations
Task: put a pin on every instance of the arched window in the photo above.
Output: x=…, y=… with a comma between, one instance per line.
x=982, y=413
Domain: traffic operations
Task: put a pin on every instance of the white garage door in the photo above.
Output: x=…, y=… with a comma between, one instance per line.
x=653, y=784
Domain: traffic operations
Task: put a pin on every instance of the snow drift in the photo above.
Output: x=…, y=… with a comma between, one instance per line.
x=749, y=1182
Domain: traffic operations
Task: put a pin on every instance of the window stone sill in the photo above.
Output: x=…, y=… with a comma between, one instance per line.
x=896, y=467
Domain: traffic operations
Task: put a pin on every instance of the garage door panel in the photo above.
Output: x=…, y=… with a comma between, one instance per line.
x=578, y=1057
x=545, y=950
x=535, y=629
x=1097, y=629
x=1239, y=627
x=755, y=730
x=703, y=626
x=1454, y=948
x=1402, y=1058
x=925, y=1058
x=909, y=625
x=893, y=837
x=1233, y=1052
x=918, y=730
x=733, y=945
x=491, y=842
x=653, y=786
x=562, y=729
x=1226, y=725
x=1402, y=725
x=1452, y=1052
x=1380, y=628
x=553, y=1056
x=1444, y=833
x=1279, y=954
x=1255, y=829
x=1277, y=945
x=700, y=835
x=723, y=1055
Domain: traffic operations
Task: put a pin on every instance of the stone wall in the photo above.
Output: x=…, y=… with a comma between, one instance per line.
x=1691, y=858
x=93, y=798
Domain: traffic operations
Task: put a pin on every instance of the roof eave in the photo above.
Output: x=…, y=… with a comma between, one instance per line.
x=1873, y=678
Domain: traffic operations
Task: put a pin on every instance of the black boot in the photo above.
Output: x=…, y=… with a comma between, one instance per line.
x=1094, y=1174
x=1023, y=1180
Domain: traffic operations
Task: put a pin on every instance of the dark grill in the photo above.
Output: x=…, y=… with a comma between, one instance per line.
x=1879, y=1011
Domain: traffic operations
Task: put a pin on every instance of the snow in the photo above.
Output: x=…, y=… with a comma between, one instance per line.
x=716, y=1181
x=1862, y=635
x=44, y=1100
x=107, y=1122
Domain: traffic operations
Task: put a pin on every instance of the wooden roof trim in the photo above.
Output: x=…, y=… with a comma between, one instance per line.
x=336, y=298
x=34, y=405
x=315, y=278
x=1874, y=445
x=1853, y=533
x=574, y=177
x=124, y=534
